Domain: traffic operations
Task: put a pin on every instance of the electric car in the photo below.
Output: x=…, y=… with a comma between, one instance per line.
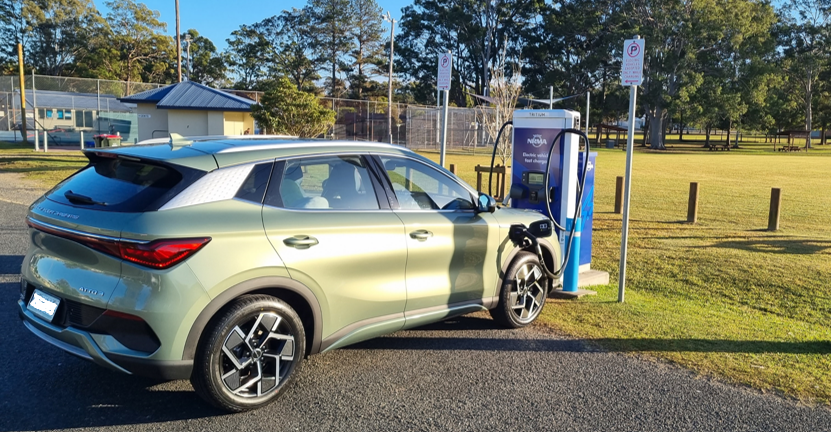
x=227, y=261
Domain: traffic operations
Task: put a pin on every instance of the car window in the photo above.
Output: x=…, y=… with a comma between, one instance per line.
x=421, y=187
x=324, y=182
x=121, y=185
x=253, y=188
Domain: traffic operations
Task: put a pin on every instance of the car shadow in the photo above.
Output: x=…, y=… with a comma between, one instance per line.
x=10, y=264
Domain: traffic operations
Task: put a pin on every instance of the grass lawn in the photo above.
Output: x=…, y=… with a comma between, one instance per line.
x=47, y=169
x=723, y=297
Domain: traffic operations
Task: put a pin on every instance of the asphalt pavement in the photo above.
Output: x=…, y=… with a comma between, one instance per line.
x=465, y=374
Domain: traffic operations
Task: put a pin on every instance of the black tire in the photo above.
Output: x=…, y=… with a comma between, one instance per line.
x=520, y=302
x=276, y=333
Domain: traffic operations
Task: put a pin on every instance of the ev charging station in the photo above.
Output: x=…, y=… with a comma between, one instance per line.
x=534, y=132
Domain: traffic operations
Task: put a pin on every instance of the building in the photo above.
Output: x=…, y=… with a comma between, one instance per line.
x=87, y=112
x=190, y=109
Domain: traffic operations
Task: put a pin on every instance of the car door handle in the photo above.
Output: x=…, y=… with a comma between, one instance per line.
x=421, y=234
x=301, y=241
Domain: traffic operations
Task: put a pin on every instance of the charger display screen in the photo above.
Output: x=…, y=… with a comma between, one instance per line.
x=536, y=179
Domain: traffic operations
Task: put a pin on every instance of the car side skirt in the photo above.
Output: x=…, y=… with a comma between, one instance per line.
x=378, y=326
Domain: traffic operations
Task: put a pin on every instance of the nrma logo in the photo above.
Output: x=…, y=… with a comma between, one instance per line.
x=537, y=141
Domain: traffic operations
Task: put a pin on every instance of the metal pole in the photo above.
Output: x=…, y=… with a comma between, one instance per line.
x=588, y=103
x=98, y=100
x=444, y=128
x=388, y=17
x=630, y=143
x=35, y=115
x=23, y=133
x=178, y=45
x=551, y=97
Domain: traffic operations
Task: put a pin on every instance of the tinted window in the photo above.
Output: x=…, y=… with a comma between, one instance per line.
x=420, y=187
x=254, y=186
x=329, y=182
x=120, y=185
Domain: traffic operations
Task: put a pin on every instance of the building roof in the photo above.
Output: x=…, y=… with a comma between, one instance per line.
x=78, y=101
x=188, y=95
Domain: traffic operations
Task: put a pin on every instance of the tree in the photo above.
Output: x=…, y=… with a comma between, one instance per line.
x=132, y=46
x=291, y=39
x=476, y=31
x=368, y=50
x=504, y=91
x=807, y=28
x=333, y=21
x=571, y=49
x=207, y=66
x=246, y=52
x=287, y=110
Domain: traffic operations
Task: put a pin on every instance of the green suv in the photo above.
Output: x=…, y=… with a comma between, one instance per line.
x=227, y=261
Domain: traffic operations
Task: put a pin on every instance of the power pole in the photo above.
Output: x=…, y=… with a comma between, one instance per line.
x=22, y=95
x=388, y=17
x=178, y=45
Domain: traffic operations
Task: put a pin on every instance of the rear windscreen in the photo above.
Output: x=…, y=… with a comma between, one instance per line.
x=121, y=185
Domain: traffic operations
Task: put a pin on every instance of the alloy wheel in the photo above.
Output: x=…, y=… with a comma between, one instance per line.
x=257, y=355
x=528, y=293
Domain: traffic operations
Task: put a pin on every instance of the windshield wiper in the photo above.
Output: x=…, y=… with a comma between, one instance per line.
x=81, y=199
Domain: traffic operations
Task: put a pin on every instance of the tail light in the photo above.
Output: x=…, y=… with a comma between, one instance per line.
x=158, y=254
x=161, y=254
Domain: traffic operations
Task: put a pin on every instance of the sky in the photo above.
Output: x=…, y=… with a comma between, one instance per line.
x=216, y=19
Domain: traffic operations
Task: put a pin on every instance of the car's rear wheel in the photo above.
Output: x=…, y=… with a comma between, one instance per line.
x=249, y=354
x=523, y=292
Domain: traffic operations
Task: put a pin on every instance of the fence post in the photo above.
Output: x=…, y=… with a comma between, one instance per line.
x=692, y=207
x=453, y=168
x=82, y=140
x=775, y=205
x=619, y=195
x=45, y=140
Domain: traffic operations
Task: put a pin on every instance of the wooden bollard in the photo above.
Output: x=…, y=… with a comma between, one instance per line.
x=453, y=168
x=692, y=206
x=619, y=195
x=775, y=205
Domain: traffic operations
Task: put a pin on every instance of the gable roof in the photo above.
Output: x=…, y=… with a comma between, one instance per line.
x=188, y=95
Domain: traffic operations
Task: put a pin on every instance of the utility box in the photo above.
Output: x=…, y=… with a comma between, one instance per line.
x=587, y=210
x=105, y=140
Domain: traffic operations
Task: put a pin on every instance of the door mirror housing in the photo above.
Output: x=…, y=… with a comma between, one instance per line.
x=541, y=228
x=486, y=203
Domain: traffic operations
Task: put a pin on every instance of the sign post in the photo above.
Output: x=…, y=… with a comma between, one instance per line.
x=443, y=83
x=631, y=74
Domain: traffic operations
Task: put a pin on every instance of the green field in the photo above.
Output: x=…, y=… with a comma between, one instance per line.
x=724, y=297
x=46, y=169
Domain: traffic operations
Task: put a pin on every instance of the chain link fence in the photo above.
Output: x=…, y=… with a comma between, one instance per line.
x=64, y=107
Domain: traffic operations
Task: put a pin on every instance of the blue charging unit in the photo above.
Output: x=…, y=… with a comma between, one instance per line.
x=534, y=132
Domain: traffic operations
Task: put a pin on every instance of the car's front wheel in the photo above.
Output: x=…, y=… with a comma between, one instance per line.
x=249, y=354
x=523, y=292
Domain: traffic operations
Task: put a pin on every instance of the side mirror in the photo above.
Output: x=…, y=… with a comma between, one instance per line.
x=486, y=203
x=541, y=228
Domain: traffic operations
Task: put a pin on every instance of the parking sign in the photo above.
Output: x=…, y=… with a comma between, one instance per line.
x=445, y=70
x=631, y=72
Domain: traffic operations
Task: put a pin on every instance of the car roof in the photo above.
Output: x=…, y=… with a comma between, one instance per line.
x=209, y=153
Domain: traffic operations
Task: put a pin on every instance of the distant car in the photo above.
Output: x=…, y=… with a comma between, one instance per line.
x=228, y=261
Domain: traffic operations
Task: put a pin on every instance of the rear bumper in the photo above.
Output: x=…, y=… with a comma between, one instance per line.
x=82, y=344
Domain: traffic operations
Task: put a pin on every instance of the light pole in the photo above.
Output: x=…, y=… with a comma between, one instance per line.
x=178, y=45
x=188, y=40
x=388, y=18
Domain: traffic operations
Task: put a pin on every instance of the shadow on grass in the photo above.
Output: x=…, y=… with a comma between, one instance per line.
x=783, y=246
x=399, y=341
